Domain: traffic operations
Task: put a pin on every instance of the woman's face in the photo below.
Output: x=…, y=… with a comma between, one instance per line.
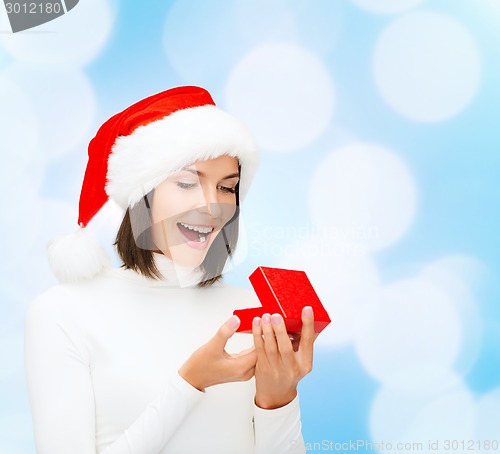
x=190, y=207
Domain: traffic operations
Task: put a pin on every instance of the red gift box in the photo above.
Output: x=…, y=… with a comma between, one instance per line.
x=285, y=292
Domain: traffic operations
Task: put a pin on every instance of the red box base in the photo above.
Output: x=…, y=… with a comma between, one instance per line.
x=285, y=292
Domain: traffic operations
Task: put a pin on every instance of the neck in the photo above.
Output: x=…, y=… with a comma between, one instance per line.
x=176, y=275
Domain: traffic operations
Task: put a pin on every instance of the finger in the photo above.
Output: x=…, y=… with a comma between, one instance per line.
x=282, y=339
x=270, y=344
x=307, y=334
x=225, y=332
x=258, y=341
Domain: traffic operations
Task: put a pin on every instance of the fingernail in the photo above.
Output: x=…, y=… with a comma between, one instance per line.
x=308, y=311
x=276, y=319
x=256, y=322
x=233, y=322
x=266, y=319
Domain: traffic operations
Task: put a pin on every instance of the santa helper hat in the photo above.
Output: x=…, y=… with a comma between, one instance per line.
x=134, y=151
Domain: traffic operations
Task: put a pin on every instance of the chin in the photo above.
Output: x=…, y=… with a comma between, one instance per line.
x=191, y=256
x=187, y=258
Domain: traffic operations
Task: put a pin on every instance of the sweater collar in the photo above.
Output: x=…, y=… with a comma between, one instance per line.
x=175, y=275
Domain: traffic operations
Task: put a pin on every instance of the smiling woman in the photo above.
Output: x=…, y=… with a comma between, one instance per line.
x=134, y=359
x=190, y=208
x=191, y=218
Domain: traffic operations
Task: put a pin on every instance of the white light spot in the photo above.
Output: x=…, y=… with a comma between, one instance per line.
x=488, y=416
x=22, y=218
x=319, y=26
x=65, y=103
x=403, y=417
x=366, y=192
x=15, y=432
x=450, y=416
x=426, y=66
x=291, y=21
x=387, y=6
x=58, y=218
x=284, y=94
x=344, y=278
x=19, y=130
x=456, y=275
x=415, y=324
x=9, y=449
x=41, y=278
x=260, y=21
x=73, y=39
x=11, y=352
x=423, y=379
x=456, y=271
x=4, y=58
x=193, y=46
x=12, y=299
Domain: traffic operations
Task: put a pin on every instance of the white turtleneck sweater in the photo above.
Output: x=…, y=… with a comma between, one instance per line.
x=101, y=362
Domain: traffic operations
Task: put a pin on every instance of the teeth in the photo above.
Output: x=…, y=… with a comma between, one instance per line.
x=197, y=228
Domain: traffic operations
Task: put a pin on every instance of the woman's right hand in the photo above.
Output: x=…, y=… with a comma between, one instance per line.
x=212, y=365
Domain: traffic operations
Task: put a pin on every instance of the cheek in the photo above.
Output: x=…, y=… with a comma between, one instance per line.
x=166, y=204
x=229, y=210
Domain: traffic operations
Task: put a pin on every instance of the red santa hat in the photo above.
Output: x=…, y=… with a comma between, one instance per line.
x=135, y=150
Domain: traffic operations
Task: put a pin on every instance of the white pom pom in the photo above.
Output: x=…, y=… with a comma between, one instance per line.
x=76, y=257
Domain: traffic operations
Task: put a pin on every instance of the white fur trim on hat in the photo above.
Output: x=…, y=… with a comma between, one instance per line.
x=142, y=160
x=76, y=257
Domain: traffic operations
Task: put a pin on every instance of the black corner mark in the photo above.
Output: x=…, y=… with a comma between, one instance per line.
x=25, y=14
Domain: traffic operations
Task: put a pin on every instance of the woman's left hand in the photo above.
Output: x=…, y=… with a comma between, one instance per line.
x=279, y=368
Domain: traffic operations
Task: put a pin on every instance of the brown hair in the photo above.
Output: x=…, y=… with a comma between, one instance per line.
x=141, y=260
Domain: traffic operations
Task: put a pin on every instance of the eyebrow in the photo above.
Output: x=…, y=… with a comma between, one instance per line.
x=201, y=174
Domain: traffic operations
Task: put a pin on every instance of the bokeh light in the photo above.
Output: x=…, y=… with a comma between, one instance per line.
x=406, y=417
x=11, y=352
x=457, y=276
x=387, y=6
x=346, y=290
x=72, y=40
x=427, y=66
x=65, y=105
x=376, y=122
x=414, y=323
x=22, y=219
x=18, y=145
x=488, y=416
x=284, y=94
x=367, y=193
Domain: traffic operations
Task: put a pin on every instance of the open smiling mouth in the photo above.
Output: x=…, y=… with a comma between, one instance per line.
x=197, y=235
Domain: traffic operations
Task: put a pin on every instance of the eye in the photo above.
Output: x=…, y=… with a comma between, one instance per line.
x=226, y=189
x=183, y=185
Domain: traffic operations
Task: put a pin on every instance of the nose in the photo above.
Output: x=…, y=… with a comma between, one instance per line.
x=211, y=202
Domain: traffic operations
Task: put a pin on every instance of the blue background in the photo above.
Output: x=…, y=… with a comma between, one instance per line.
x=452, y=164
